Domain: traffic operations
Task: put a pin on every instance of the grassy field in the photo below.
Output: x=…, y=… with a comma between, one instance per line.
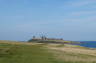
x=21, y=53
x=18, y=52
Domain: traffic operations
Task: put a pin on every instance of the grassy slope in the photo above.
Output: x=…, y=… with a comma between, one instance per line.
x=16, y=52
x=10, y=53
x=73, y=54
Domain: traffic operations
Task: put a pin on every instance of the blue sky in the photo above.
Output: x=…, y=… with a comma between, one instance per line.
x=67, y=19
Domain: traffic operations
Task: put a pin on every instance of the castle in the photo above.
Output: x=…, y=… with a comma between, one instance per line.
x=45, y=38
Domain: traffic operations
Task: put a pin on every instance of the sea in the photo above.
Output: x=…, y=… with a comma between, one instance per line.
x=89, y=44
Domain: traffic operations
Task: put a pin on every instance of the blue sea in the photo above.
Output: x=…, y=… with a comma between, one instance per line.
x=89, y=44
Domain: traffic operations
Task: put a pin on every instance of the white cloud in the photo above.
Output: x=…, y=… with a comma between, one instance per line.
x=79, y=3
x=82, y=13
x=80, y=20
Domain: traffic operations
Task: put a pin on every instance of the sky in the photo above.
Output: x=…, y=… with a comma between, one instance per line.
x=68, y=19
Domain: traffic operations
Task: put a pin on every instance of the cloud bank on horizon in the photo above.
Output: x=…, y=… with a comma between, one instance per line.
x=68, y=19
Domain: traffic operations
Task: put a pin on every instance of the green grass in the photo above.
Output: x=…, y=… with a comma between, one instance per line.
x=25, y=54
x=38, y=53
